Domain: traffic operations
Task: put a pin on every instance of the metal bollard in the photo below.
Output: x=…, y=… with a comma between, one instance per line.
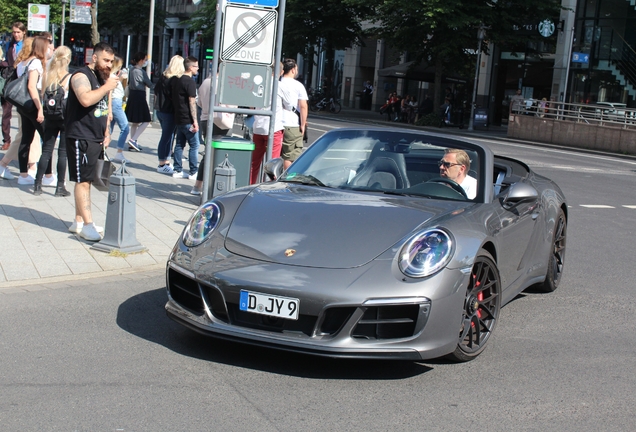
x=120, y=232
x=224, y=177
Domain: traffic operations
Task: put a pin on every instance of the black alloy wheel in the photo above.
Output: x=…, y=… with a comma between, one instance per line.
x=481, y=309
x=557, y=256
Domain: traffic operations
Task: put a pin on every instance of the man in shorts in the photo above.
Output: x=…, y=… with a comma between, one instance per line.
x=87, y=133
x=294, y=98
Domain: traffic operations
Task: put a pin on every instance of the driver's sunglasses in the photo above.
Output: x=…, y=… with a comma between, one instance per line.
x=446, y=165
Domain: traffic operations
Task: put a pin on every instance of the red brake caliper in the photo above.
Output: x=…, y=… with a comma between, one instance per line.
x=480, y=297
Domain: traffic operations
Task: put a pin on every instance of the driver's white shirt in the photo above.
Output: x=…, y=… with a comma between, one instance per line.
x=470, y=186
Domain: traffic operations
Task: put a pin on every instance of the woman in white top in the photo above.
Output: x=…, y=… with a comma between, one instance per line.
x=117, y=108
x=57, y=77
x=32, y=121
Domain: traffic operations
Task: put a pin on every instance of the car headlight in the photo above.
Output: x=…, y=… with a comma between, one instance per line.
x=202, y=224
x=426, y=253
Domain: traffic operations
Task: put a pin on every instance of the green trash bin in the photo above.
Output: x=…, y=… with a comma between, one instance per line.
x=239, y=153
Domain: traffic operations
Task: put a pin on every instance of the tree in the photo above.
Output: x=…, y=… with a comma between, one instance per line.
x=444, y=32
x=133, y=16
x=331, y=24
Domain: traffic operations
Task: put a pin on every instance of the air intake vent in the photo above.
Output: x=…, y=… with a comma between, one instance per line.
x=387, y=322
x=185, y=292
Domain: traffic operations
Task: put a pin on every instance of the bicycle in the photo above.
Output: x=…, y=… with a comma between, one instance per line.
x=331, y=103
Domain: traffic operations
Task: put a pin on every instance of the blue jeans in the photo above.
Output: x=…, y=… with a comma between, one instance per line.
x=183, y=135
x=167, y=134
x=119, y=117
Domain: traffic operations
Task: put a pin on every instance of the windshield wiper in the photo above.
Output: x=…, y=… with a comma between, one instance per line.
x=306, y=179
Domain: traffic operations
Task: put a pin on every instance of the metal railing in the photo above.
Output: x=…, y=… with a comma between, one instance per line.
x=600, y=114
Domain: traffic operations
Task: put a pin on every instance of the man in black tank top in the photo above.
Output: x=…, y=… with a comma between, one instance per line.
x=87, y=133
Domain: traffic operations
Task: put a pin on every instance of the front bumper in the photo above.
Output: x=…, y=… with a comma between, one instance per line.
x=355, y=313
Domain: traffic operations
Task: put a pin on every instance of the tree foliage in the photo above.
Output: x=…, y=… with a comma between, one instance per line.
x=18, y=10
x=131, y=16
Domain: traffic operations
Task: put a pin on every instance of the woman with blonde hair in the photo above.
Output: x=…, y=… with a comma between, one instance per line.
x=57, y=80
x=165, y=111
x=12, y=152
x=117, y=108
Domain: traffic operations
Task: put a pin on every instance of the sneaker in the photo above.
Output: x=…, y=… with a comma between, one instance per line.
x=28, y=180
x=195, y=191
x=89, y=232
x=166, y=169
x=133, y=146
x=49, y=181
x=177, y=174
x=190, y=176
x=5, y=174
x=119, y=157
x=76, y=228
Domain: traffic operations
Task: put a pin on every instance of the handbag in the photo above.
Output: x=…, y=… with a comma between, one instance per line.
x=17, y=92
x=105, y=168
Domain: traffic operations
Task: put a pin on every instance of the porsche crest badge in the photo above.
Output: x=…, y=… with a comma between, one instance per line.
x=289, y=252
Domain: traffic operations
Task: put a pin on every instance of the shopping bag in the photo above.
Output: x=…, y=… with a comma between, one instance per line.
x=104, y=168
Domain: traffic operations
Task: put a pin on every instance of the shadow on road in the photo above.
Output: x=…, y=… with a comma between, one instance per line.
x=144, y=316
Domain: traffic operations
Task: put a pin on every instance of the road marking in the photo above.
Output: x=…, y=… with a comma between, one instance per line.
x=630, y=206
x=598, y=206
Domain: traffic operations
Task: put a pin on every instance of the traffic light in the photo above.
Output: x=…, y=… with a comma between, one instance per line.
x=209, y=53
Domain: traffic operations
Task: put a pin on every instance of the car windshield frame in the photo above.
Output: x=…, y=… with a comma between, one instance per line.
x=385, y=161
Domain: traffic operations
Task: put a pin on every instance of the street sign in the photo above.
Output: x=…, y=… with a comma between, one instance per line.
x=263, y=3
x=80, y=12
x=38, y=18
x=245, y=84
x=249, y=35
x=580, y=58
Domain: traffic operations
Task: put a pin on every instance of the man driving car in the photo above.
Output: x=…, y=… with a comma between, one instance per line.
x=455, y=166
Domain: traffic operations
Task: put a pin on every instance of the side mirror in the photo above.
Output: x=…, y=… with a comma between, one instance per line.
x=273, y=169
x=518, y=193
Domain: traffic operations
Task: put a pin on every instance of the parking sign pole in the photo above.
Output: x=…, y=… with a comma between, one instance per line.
x=277, y=59
x=206, y=195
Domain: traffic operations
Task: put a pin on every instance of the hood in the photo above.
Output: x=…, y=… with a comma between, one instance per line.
x=318, y=227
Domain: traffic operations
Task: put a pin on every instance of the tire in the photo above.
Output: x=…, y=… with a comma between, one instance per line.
x=481, y=309
x=556, y=259
x=335, y=107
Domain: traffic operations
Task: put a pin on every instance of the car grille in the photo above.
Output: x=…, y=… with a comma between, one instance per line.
x=185, y=291
x=387, y=322
x=334, y=319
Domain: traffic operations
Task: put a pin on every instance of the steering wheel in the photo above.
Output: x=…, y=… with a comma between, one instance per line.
x=452, y=183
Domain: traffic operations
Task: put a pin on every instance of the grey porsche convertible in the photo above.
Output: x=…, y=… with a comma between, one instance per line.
x=375, y=243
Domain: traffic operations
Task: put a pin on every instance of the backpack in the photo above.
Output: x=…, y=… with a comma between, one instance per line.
x=54, y=102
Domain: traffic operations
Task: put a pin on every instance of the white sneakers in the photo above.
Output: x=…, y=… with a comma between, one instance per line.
x=76, y=228
x=5, y=174
x=166, y=169
x=195, y=191
x=89, y=232
x=49, y=181
x=119, y=157
x=190, y=176
x=28, y=180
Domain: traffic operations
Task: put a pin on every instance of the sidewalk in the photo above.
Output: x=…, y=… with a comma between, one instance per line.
x=37, y=250
x=36, y=247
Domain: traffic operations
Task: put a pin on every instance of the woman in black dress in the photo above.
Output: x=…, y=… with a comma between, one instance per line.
x=137, y=109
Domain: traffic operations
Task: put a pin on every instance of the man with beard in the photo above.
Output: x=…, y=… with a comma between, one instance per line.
x=87, y=133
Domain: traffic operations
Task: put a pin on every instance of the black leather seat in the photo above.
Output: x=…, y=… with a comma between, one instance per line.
x=384, y=170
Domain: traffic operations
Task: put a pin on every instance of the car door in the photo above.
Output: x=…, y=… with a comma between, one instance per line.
x=515, y=232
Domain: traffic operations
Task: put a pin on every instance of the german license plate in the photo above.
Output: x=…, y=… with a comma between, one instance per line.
x=265, y=304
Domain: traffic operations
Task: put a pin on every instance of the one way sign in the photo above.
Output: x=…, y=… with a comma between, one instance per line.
x=249, y=35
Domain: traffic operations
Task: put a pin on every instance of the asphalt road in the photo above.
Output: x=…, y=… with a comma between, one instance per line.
x=101, y=355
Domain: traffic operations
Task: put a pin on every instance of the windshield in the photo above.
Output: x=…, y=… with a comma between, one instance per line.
x=391, y=162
